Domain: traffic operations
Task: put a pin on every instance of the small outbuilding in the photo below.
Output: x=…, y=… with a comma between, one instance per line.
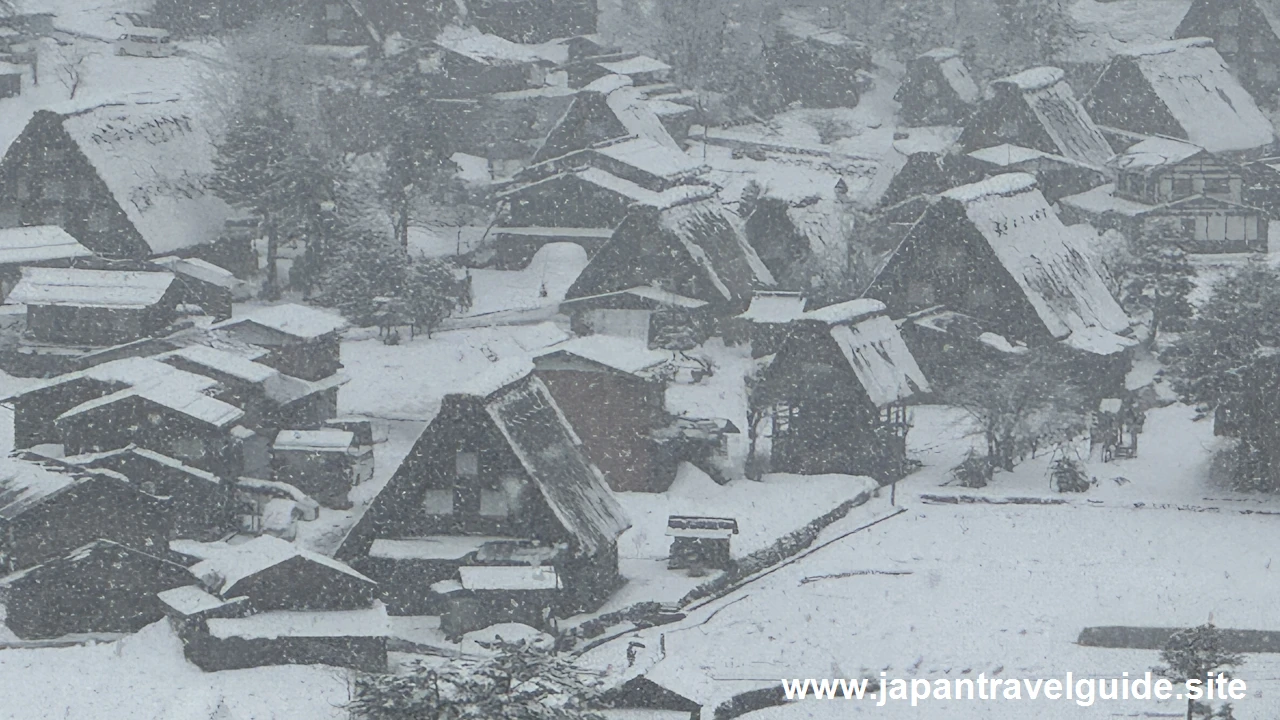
x=700, y=542
x=301, y=341
x=67, y=306
x=39, y=245
x=321, y=463
x=202, y=283
x=489, y=595
x=102, y=587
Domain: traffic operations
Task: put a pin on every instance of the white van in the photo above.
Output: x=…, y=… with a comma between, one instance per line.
x=145, y=42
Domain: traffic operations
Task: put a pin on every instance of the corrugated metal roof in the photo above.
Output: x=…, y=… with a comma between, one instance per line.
x=89, y=288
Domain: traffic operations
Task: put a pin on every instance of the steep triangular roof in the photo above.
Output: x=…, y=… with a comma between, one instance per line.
x=1040, y=254
x=1063, y=117
x=551, y=453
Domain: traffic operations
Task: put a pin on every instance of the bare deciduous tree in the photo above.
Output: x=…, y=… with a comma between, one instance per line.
x=70, y=66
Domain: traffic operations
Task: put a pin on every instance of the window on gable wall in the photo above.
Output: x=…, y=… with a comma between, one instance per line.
x=1182, y=188
x=438, y=502
x=1228, y=43
x=467, y=464
x=1229, y=18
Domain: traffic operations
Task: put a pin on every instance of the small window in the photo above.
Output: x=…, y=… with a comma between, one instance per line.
x=1229, y=18
x=1182, y=188
x=1189, y=227
x=467, y=464
x=1217, y=186
x=438, y=502
x=1228, y=43
x=494, y=503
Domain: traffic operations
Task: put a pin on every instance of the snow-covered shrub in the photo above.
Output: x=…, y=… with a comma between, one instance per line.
x=972, y=472
x=1068, y=475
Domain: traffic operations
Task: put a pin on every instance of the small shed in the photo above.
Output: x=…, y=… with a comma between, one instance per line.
x=102, y=587
x=204, y=284
x=345, y=638
x=196, y=501
x=322, y=463
x=302, y=341
x=35, y=245
x=700, y=542
x=94, y=307
x=488, y=595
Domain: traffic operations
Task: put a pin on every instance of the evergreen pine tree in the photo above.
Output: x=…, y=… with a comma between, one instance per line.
x=1161, y=281
x=262, y=166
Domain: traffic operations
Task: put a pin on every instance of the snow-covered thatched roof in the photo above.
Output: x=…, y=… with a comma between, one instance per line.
x=156, y=159
x=1047, y=94
x=90, y=288
x=550, y=451
x=38, y=244
x=1041, y=255
x=956, y=73
x=884, y=366
x=1201, y=96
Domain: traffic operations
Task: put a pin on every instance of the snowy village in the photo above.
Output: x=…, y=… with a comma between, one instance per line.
x=612, y=360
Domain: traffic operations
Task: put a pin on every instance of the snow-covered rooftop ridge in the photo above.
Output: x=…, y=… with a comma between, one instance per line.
x=1004, y=185
x=90, y=288
x=637, y=64
x=774, y=307
x=629, y=355
x=491, y=49
x=327, y=440
x=607, y=84
x=1155, y=152
x=230, y=363
x=1034, y=78
x=495, y=377
x=130, y=371
x=175, y=394
x=202, y=270
x=224, y=567
x=38, y=243
x=369, y=622
x=1167, y=46
x=156, y=159
x=655, y=157
x=25, y=483
x=845, y=312
x=89, y=459
x=300, y=321
x=192, y=600
x=940, y=54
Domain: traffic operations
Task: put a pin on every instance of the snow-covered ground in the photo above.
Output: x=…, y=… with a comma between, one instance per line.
x=146, y=676
x=765, y=511
x=994, y=589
